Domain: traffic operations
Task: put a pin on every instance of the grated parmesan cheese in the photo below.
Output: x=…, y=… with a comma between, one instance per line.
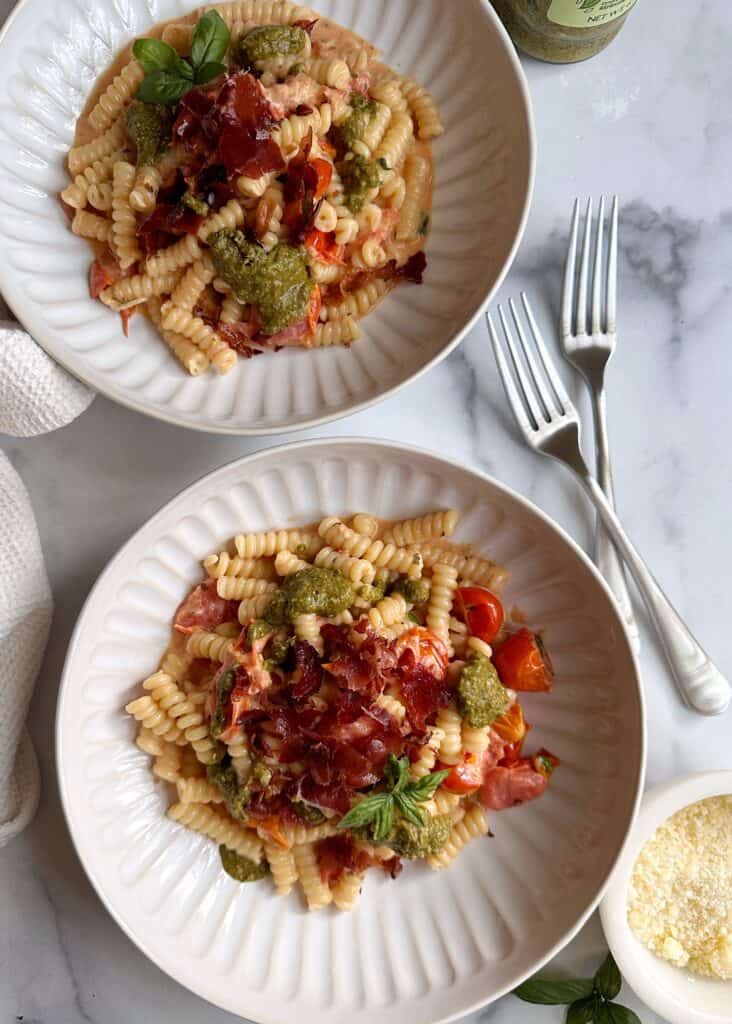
x=680, y=894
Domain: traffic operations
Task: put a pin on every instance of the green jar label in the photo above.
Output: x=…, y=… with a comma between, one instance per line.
x=587, y=13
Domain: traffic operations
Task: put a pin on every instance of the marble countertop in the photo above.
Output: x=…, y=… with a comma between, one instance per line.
x=647, y=119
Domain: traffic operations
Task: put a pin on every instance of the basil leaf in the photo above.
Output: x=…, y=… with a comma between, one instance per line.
x=403, y=776
x=425, y=787
x=581, y=1011
x=384, y=819
x=614, y=1013
x=554, y=993
x=607, y=978
x=207, y=72
x=364, y=811
x=210, y=40
x=409, y=809
x=392, y=771
x=162, y=87
x=154, y=54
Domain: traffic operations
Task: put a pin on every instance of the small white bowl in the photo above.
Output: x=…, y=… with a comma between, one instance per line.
x=678, y=996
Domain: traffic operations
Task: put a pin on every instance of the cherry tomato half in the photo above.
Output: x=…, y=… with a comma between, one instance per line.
x=523, y=664
x=480, y=610
x=512, y=726
x=465, y=777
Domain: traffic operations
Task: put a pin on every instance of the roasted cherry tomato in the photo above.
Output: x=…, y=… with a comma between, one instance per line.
x=323, y=245
x=324, y=170
x=428, y=649
x=512, y=729
x=544, y=762
x=480, y=610
x=465, y=777
x=523, y=664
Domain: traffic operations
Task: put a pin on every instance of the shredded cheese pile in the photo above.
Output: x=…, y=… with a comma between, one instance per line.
x=680, y=895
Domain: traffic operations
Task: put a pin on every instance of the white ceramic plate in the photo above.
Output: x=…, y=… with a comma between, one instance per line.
x=429, y=946
x=675, y=994
x=50, y=54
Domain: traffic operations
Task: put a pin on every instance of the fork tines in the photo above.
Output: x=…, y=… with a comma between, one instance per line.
x=533, y=386
x=600, y=282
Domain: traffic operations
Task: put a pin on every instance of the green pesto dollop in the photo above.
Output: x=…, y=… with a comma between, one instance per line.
x=359, y=176
x=148, y=125
x=481, y=696
x=307, y=813
x=257, y=630
x=355, y=126
x=323, y=591
x=236, y=796
x=224, y=686
x=412, y=841
x=372, y=592
x=269, y=41
x=195, y=203
x=279, y=649
x=414, y=591
x=276, y=282
x=241, y=868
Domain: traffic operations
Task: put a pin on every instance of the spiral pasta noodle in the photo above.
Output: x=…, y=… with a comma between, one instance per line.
x=388, y=611
x=429, y=123
x=382, y=556
x=89, y=225
x=204, y=819
x=444, y=585
x=470, y=567
x=429, y=527
x=450, y=725
x=266, y=12
x=427, y=755
x=365, y=524
x=198, y=791
x=114, y=139
x=224, y=564
x=181, y=321
x=475, y=740
x=396, y=141
x=259, y=545
x=238, y=751
x=317, y=894
x=253, y=608
x=307, y=627
x=175, y=256
x=282, y=865
x=359, y=303
x=290, y=132
x=166, y=765
x=144, y=194
x=286, y=563
x=124, y=225
x=76, y=194
x=188, y=290
x=357, y=570
x=332, y=71
x=201, y=644
x=417, y=174
x=338, y=332
x=235, y=588
x=347, y=890
x=393, y=706
x=189, y=355
x=227, y=218
x=152, y=718
x=116, y=96
x=472, y=825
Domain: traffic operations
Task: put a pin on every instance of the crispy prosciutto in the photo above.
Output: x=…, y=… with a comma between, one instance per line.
x=339, y=854
x=506, y=786
x=203, y=609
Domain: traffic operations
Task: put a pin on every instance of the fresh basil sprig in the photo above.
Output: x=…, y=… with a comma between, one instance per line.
x=400, y=794
x=590, y=999
x=168, y=76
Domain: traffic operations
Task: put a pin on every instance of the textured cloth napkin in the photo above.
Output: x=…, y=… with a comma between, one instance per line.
x=36, y=396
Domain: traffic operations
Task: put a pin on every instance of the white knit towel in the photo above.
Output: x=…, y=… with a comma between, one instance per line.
x=36, y=396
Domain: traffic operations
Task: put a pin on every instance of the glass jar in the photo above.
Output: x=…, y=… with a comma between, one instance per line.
x=563, y=31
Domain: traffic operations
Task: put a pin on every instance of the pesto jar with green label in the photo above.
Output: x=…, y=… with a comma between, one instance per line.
x=563, y=31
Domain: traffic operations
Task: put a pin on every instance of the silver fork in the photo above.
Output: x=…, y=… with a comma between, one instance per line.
x=551, y=426
x=589, y=351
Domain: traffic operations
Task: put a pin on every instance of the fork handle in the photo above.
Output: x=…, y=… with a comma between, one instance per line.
x=606, y=556
x=700, y=683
